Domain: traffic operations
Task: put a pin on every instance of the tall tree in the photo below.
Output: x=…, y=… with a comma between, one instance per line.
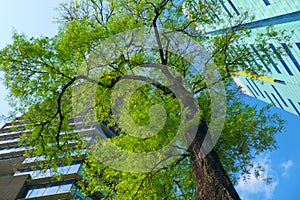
x=42, y=74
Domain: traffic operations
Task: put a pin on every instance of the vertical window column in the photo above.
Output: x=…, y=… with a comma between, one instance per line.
x=274, y=88
x=272, y=61
x=289, y=52
x=234, y=8
x=298, y=45
x=269, y=98
x=281, y=60
x=250, y=85
x=225, y=8
x=294, y=106
x=260, y=58
x=278, y=103
x=267, y=2
x=212, y=10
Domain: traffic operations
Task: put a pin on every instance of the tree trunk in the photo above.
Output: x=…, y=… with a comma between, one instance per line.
x=212, y=182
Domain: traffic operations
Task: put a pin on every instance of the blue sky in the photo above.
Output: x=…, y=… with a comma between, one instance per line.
x=35, y=18
x=32, y=17
x=283, y=164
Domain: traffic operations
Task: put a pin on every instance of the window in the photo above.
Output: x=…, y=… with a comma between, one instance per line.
x=12, y=150
x=287, y=49
x=272, y=62
x=9, y=141
x=47, y=190
x=298, y=45
x=279, y=95
x=33, y=159
x=64, y=188
x=50, y=190
x=225, y=8
x=269, y=98
x=258, y=89
x=63, y=169
x=212, y=10
x=281, y=60
x=252, y=87
x=35, y=192
x=40, y=158
x=278, y=103
x=37, y=174
x=251, y=91
x=234, y=8
x=40, y=174
x=267, y=2
x=295, y=108
x=236, y=54
x=289, y=17
x=254, y=60
x=74, y=169
x=259, y=56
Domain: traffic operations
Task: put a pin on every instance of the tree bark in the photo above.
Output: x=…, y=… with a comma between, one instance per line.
x=212, y=181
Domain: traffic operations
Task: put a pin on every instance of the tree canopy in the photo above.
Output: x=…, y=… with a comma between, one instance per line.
x=45, y=75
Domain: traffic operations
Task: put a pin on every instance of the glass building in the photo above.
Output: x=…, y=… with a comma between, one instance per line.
x=21, y=177
x=281, y=86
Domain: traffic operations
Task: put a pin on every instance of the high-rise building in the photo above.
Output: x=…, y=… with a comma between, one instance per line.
x=21, y=177
x=281, y=84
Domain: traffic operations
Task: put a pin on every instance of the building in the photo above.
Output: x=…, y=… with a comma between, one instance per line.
x=18, y=178
x=281, y=85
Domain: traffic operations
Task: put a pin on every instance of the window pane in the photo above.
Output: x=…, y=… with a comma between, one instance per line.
x=64, y=188
x=51, y=190
x=64, y=169
x=35, y=192
x=74, y=169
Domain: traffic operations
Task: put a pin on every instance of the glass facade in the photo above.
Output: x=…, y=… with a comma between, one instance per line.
x=41, y=183
x=285, y=68
x=11, y=149
x=48, y=190
x=62, y=170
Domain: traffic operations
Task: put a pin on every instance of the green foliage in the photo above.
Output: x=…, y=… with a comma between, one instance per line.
x=152, y=185
x=41, y=74
x=249, y=131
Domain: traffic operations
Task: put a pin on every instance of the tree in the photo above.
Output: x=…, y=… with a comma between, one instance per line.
x=42, y=74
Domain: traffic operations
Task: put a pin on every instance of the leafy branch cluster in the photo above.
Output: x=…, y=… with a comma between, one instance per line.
x=41, y=74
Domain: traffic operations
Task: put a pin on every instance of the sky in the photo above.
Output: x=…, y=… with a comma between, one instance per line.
x=32, y=17
x=36, y=17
